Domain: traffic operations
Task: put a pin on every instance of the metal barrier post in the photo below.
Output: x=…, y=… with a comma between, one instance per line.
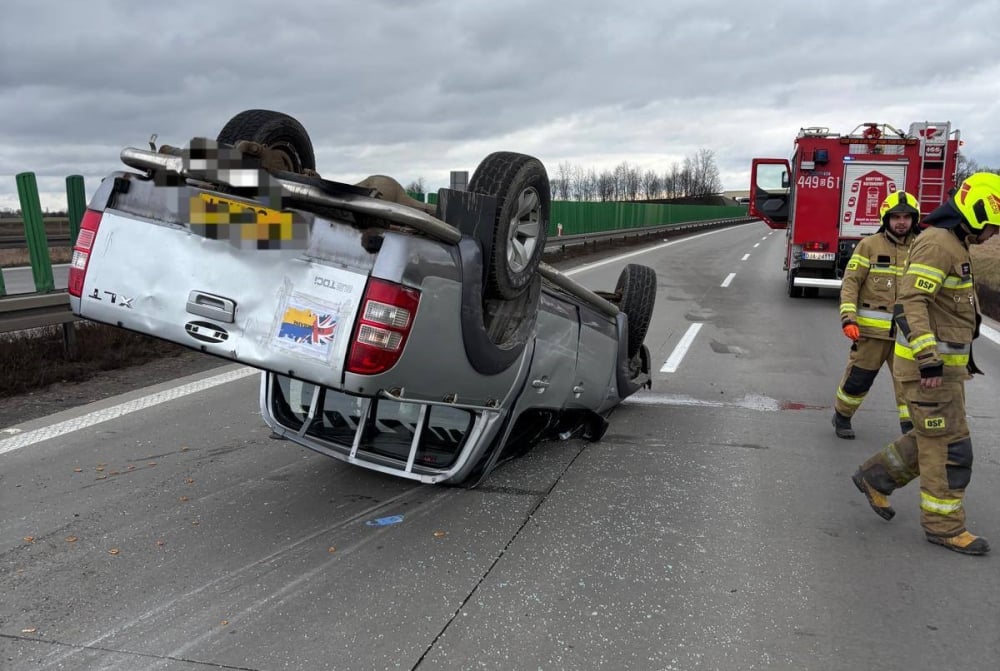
x=34, y=232
x=3, y=287
x=76, y=205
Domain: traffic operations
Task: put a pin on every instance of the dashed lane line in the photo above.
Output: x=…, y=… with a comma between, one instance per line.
x=674, y=361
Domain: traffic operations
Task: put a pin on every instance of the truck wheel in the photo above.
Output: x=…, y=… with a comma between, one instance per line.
x=793, y=291
x=275, y=130
x=521, y=187
x=637, y=293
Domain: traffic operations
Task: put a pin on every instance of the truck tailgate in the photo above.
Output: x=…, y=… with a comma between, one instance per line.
x=272, y=309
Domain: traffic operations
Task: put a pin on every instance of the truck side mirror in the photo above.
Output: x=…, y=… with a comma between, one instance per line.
x=784, y=179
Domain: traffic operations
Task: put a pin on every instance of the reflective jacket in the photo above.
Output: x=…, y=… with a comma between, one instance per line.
x=871, y=280
x=937, y=311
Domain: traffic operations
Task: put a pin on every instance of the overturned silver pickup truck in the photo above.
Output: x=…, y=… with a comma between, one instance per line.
x=429, y=342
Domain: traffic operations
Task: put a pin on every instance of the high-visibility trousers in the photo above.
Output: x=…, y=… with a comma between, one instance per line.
x=863, y=364
x=938, y=450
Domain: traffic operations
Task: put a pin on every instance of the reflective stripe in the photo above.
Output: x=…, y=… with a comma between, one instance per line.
x=875, y=314
x=861, y=260
x=848, y=307
x=875, y=318
x=940, y=506
x=930, y=272
x=847, y=399
x=956, y=356
x=922, y=342
x=884, y=324
x=904, y=411
x=953, y=282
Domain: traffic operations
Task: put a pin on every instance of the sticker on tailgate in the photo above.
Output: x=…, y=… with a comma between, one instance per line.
x=245, y=225
x=310, y=327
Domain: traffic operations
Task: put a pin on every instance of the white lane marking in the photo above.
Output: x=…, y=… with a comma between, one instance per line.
x=682, y=347
x=729, y=278
x=765, y=237
x=745, y=257
x=748, y=401
x=990, y=333
x=116, y=411
x=613, y=259
x=757, y=245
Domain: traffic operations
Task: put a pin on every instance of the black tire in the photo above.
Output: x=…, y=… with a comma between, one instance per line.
x=520, y=229
x=275, y=130
x=793, y=291
x=637, y=294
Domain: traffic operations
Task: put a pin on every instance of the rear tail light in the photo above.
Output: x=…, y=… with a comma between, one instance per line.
x=81, y=251
x=815, y=246
x=384, y=322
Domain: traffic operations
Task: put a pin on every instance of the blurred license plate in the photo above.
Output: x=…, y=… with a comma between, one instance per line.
x=219, y=218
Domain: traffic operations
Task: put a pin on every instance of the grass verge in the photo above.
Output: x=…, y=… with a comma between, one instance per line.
x=39, y=358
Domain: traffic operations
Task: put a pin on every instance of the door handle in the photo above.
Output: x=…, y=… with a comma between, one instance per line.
x=211, y=306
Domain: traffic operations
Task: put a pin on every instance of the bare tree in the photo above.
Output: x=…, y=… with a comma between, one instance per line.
x=561, y=184
x=416, y=186
x=651, y=184
x=606, y=186
x=590, y=185
x=697, y=176
x=706, y=179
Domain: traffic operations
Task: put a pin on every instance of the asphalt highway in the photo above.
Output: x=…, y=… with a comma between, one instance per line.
x=714, y=526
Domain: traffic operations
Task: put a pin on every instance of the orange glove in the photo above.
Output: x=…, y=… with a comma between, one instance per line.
x=851, y=331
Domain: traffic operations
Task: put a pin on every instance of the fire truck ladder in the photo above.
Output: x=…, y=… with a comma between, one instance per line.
x=934, y=162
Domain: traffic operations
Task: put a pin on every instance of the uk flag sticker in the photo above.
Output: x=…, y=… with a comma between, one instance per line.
x=308, y=327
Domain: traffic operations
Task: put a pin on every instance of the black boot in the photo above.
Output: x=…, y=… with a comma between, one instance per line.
x=842, y=425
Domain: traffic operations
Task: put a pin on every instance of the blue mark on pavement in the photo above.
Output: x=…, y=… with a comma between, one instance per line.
x=385, y=521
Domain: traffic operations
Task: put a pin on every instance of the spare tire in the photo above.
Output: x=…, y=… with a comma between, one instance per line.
x=636, y=292
x=275, y=130
x=521, y=187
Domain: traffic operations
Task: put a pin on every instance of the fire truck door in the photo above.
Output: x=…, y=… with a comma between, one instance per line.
x=769, y=191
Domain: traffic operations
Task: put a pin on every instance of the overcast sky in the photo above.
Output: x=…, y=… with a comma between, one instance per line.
x=417, y=88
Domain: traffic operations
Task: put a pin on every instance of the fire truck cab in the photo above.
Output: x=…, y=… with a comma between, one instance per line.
x=827, y=196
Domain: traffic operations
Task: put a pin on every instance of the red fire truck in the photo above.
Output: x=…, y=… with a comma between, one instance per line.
x=827, y=196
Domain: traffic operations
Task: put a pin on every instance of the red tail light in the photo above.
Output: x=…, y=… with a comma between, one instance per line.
x=81, y=251
x=815, y=246
x=384, y=323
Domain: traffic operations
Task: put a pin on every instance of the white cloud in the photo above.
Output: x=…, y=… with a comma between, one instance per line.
x=416, y=89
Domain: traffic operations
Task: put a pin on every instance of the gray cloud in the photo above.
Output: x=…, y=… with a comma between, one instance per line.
x=418, y=88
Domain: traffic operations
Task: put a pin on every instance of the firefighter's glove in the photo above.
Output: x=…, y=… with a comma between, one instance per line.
x=851, y=331
x=933, y=370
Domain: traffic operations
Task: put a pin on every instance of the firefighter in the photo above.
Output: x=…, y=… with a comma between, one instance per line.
x=867, y=296
x=937, y=317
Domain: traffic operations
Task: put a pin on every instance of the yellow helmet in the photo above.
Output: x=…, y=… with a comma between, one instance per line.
x=978, y=199
x=899, y=202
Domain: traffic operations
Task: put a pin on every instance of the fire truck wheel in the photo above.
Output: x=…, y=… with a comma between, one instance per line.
x=521, y=187
x=276, y=131
x=637, y=291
